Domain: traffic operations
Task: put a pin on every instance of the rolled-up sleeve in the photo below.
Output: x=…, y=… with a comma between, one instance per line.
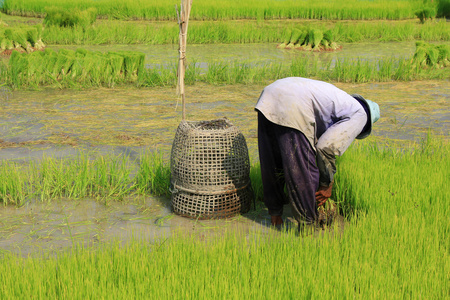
x=334, y=141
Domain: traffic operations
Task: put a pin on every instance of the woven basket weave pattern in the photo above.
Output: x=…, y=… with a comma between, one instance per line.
x=210, y=170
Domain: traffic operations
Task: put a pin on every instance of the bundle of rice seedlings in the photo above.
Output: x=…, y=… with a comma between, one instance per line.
x=77, y=66
x=81, y=52
x=39, y=44
x=97, y=68
x=327, y=39
x=286, y=39
x=444, y=54
x=36, y=67
x=426, y=13
x=316, y=36
x=57, y=16
x=301, y=39
x=32, y=35
x=61, y=60
x=6, y=44
x=431, y=55
x=13, y=60
x=443, y=9
x=8, y=33
x=307, y=45
x=54, y=16
x=295, y=36
x=20, y=39
x=86, y=17
x=133, y=63
x=70, y=58
x=19, y=65
x=116, y=62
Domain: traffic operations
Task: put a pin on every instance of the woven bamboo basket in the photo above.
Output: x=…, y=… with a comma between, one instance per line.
x=210, y=170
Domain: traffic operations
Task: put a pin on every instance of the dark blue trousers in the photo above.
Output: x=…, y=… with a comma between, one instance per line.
x=287, y=158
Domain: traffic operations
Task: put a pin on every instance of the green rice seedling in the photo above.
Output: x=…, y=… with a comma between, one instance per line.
x=32, y=36
x=295, y=36
x=256, y=180
x=77, y=67
x=6, y=44
x=153, y=175
x=431, y=54
x=316, y=36
x=20, y=71
x=82, y=52
x=443, y=9
x=86, y=17
x=444, y=54
x=57, y=16
x=36, y=68
x=105, y=178
x=133, y=64
x=328, y=41
x=13, y=185
x=8, y=33
x=20, y=39
x=54, y=16
x=116, y=62
x=51, y=57
x=301, y=39
x=286, y=39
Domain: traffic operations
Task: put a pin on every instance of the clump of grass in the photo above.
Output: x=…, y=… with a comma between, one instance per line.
x=61, y=17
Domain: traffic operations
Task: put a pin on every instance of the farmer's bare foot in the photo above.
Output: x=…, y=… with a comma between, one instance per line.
x=276, y=220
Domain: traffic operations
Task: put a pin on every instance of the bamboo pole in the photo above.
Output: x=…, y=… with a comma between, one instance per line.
x=183, y=20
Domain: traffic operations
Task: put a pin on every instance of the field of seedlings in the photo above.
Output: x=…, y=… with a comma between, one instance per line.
x=88, y=115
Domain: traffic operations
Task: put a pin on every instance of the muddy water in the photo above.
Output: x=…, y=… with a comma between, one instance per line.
x=58, y=225
x=128, y=120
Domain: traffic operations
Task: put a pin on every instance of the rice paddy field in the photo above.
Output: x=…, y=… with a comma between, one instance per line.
x=88, y=113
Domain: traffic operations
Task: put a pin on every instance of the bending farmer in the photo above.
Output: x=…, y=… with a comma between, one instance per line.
x=302, y=125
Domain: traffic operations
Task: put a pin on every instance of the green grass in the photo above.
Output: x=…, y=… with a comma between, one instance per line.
x=395, y=245
x=228, y=10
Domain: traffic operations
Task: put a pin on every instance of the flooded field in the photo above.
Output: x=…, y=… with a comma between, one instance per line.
x=62, y=123
x=59, y=123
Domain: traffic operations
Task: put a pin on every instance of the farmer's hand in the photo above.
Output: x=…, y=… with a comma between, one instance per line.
x=323, y=194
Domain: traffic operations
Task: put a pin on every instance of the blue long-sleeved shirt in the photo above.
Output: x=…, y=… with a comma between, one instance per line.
x=329, y=117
